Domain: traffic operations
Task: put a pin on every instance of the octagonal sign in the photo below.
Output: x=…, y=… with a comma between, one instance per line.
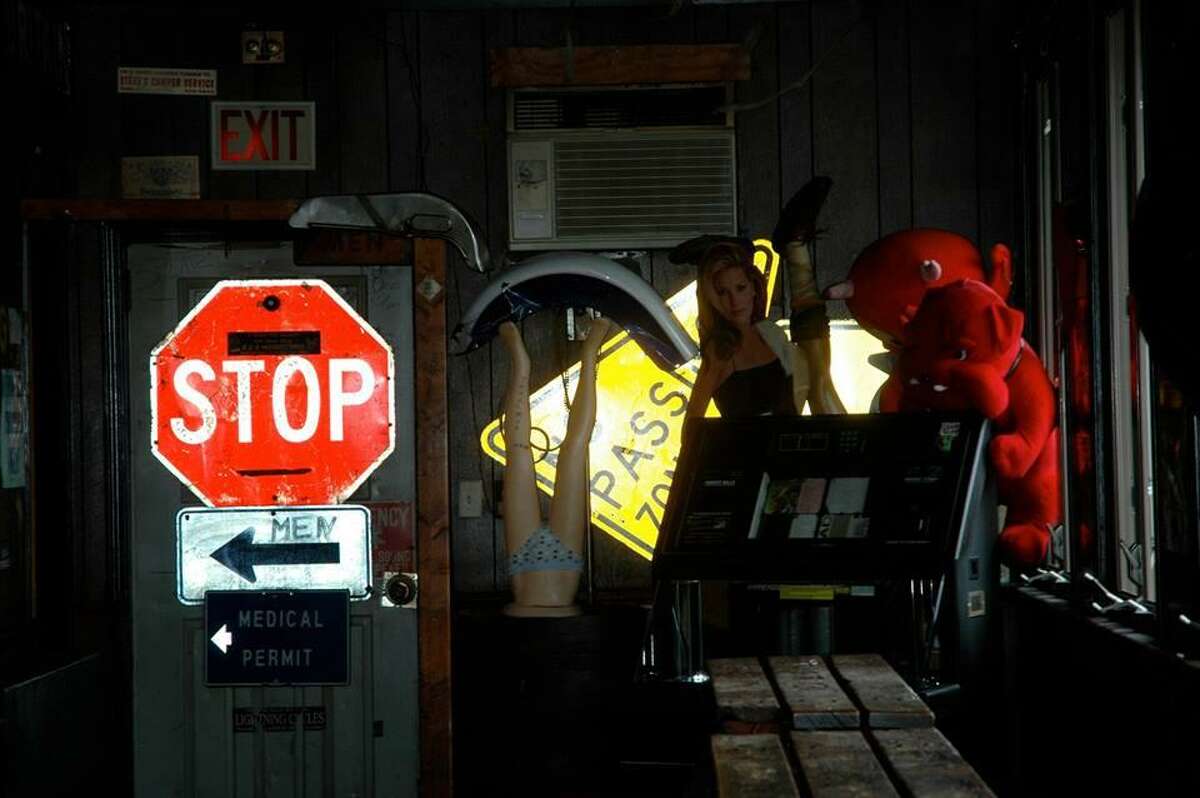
x=272, y=392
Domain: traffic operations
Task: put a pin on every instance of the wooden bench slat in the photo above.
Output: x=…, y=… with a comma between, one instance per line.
x=888, y=701
x=840, y=764
x=928, y=765
x=752, y=766
x=742, y=690
x=812, y=695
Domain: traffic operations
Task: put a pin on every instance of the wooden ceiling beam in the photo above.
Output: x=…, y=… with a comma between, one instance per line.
x=609, y=66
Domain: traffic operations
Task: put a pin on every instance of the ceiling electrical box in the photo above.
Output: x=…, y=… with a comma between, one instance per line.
x=597, y=167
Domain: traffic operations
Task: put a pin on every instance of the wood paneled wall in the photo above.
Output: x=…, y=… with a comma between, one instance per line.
x=912, y=112
x=34, y=57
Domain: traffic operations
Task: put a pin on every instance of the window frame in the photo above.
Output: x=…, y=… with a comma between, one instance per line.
x=1047, y=176
x=1128, y=377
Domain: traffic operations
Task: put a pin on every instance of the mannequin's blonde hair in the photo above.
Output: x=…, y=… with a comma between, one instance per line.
x=712, y=326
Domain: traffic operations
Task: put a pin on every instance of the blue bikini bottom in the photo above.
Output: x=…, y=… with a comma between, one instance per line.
x=543, y=551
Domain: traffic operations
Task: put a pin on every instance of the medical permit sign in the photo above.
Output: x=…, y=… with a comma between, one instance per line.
x=272, y=392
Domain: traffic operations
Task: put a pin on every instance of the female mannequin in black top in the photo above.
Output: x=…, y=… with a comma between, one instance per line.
x=747, y=364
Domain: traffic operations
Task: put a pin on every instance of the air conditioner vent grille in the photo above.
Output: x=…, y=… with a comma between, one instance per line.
x=689, y=106
x=538, y=113
x=633, y=187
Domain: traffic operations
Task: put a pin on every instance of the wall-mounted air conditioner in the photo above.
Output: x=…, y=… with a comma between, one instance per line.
x=600, y=168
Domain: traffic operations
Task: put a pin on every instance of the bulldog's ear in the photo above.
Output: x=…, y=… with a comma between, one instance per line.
x=1001, y=281
x=1005, y=323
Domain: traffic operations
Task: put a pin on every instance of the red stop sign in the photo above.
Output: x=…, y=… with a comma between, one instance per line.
x=272, y=392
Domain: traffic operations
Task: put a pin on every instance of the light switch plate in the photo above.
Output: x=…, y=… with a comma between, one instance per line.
x=470, y=498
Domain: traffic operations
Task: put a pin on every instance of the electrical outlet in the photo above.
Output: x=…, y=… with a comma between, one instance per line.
x=578, y=323
x=262, y=47
x=470, y=498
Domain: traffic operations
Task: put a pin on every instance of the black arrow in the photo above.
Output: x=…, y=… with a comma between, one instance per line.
x=241, y=554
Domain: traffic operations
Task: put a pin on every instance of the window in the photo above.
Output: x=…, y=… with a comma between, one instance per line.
x=1048, y=188
x=1129, y=364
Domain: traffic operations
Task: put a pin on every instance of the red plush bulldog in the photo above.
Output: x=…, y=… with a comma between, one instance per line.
x=963, y=351
x=889, y=277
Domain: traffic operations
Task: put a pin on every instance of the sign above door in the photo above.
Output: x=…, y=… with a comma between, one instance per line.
x=262, y=135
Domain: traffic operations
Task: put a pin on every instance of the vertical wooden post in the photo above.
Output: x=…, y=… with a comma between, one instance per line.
x=433, y=517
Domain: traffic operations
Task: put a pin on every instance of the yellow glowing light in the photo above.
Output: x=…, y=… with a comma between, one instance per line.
x=640, y=417
x=850, y=346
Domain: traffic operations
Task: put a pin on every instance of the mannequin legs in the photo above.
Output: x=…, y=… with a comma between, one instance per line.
x=810, y=328
x=547, y=593
x=801, y=275
x=568, y=508
x=522, y=515
x=797, y=227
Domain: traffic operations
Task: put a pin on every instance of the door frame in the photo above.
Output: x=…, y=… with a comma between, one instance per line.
x=428, y=259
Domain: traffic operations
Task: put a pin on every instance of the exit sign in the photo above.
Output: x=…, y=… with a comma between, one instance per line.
x=264, y=135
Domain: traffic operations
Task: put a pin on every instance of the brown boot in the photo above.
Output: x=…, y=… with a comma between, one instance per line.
x=796, y=229
x=798, y=220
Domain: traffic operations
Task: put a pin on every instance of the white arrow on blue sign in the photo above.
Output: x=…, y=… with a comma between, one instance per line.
x=273, y=548
x=223, y=639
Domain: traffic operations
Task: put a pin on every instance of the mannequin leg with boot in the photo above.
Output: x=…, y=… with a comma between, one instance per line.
x=544, y=561
x=809, y=322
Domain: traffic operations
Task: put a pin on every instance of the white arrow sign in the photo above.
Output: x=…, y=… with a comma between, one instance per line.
x=222, y=639
x=273, y=548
